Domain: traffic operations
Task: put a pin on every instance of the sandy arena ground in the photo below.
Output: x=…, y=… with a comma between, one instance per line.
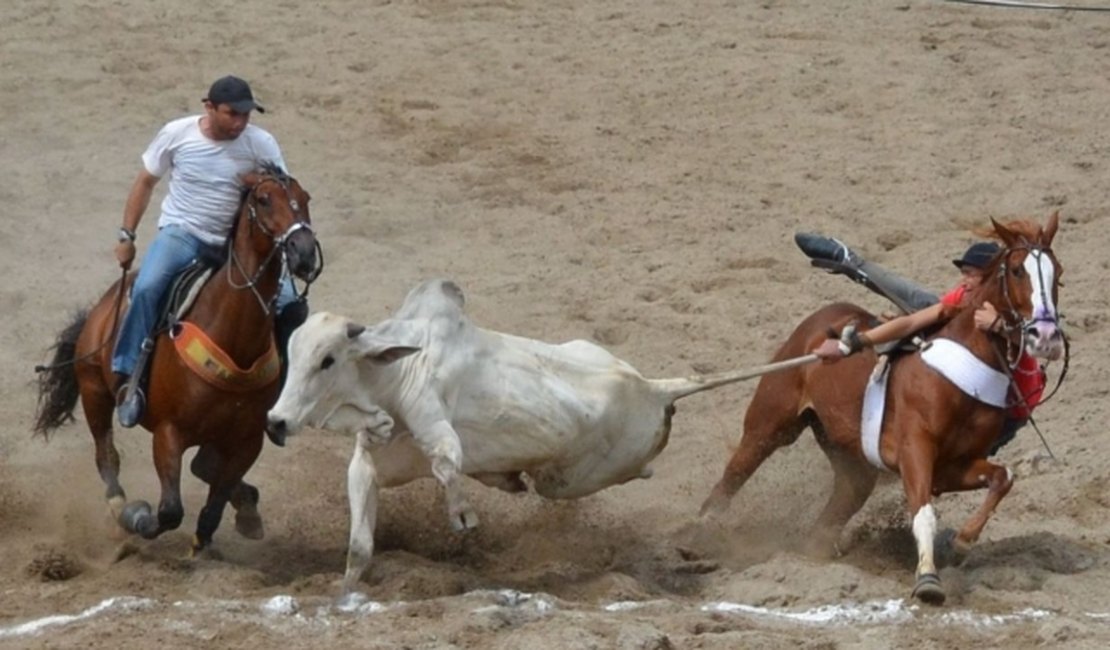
x=630, y=172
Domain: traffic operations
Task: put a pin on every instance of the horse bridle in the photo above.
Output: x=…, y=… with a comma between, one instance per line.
x=1014, y=323
x=280, y=244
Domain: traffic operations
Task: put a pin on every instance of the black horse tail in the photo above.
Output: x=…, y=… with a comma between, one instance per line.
x=58, y=381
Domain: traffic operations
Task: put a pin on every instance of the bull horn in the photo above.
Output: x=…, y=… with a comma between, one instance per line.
x=354, y=329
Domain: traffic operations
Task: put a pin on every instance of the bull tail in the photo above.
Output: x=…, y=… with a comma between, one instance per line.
x=57, y=381
x=680, y=387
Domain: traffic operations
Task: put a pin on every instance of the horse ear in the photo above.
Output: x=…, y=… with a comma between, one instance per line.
x=1050, y=230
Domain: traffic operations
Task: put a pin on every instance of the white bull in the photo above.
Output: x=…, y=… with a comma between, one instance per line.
x=427, y=393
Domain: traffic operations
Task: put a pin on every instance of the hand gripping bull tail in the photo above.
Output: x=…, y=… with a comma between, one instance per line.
x=683, y=386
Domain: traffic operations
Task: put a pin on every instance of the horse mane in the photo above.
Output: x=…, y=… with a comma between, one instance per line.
x=265, y=168
x=1027, y=230
x=271, y=168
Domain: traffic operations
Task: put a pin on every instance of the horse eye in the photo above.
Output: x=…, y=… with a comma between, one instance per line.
x=1018, y=272
x=327, y=362
x=263, y=200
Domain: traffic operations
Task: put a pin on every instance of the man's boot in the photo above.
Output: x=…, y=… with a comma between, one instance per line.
x=130, y=409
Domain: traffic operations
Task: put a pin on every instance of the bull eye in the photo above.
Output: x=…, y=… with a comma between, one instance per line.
x=327, y=362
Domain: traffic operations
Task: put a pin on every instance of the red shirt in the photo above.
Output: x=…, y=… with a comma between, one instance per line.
x=954, y=298
x=1029, y=378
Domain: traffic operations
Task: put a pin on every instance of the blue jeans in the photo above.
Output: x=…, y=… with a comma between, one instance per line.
x=171, y=251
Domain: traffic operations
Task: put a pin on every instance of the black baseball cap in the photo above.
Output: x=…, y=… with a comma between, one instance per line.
x=234, y=92
x=978, y=255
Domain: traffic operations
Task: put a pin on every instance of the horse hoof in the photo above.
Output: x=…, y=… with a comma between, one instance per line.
x=204, y=553
x=249, y=525
x=928, y=589
x=133, y=515
x=714, y=505
x=948, y=550
x=821, y=549
x=116, y=505
x=125, y=550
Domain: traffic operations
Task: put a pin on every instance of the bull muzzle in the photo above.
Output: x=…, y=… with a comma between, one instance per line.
x=276, y=430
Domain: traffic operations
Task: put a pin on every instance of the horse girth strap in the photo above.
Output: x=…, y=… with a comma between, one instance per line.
x=216, y=367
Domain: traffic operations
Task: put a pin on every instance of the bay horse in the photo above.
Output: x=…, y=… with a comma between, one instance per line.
x=932, y=434
x=272, y=232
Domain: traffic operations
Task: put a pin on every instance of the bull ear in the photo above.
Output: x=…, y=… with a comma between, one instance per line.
x=384, y=343
x=388, y=355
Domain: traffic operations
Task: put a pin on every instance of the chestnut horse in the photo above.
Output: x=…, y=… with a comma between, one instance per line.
x=932, y=434
x=235, y=310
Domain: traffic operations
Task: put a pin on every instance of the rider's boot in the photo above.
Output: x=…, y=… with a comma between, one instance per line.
x=130, y=409
x=818, y=247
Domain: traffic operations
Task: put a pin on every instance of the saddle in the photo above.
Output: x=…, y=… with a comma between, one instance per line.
x=183, y=291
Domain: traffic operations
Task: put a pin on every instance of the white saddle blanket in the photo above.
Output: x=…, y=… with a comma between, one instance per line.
x=969, y=373
x=874, y=404
x=955, y=363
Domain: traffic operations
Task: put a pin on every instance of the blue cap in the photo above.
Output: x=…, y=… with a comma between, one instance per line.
x=234, y=92
x=979, y=255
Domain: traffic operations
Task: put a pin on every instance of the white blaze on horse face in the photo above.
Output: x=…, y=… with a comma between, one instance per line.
x=924, y=531
x=1043, y=333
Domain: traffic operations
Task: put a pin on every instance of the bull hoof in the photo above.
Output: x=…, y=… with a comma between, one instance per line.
x=464, y=520
x=948, y=550
x=928, y=589
x=351, y=601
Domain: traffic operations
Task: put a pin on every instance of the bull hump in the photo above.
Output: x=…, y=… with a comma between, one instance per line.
x=452, y=291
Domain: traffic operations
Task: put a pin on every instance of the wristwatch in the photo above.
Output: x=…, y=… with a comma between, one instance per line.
x=125, y=234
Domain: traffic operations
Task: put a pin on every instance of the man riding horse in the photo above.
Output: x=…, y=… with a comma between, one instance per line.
x=206, y=157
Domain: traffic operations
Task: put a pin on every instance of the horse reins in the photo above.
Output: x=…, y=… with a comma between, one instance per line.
x=1021, y=325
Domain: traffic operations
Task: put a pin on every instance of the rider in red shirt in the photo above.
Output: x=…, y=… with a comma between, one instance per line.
x=926, y=309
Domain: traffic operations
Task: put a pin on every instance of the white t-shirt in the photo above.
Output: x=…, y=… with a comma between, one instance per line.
x=204, y=192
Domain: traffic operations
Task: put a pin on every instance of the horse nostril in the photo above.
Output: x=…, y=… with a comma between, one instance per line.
x=276, y=426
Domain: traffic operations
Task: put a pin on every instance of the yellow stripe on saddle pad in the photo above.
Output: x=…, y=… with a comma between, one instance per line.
x=214, y=366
